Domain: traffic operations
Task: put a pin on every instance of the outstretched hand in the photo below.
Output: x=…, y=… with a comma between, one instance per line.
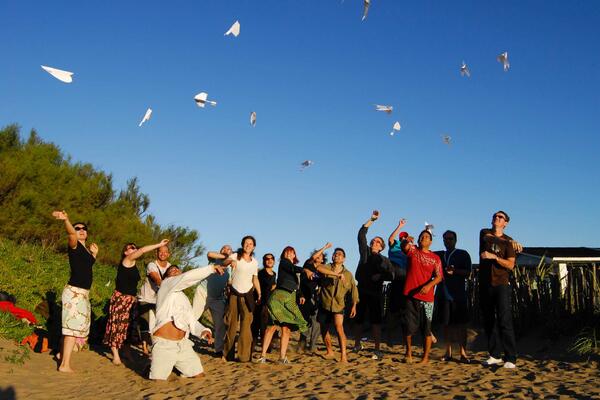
x=164, y=242
x=328, y=245
x=60, y=215
x=402, y=222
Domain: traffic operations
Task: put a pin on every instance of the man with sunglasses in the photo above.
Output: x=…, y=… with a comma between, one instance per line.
x=373, y=268
x=497, y=260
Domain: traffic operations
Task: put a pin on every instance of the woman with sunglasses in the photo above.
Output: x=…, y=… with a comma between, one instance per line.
x=124, y=296
x=76, y=308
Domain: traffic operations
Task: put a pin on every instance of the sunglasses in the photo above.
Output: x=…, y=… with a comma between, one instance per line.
x=131, y=248
x=500, y=216
x=80, y=228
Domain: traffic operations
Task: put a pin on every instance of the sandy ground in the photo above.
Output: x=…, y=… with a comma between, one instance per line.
x=542, y=373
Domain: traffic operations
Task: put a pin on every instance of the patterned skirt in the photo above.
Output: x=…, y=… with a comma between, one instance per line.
x=283, y=310
x=118, y=319
x=76, y=311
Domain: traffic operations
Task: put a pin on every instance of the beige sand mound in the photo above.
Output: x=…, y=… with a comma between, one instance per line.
x=308, y=377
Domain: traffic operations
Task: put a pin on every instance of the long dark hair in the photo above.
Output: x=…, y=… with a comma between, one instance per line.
x=240, y=251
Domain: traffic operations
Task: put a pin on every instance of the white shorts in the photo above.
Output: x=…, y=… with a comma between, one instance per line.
x=180, y=354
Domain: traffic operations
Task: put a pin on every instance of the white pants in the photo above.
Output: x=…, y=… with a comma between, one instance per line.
x=180, y=354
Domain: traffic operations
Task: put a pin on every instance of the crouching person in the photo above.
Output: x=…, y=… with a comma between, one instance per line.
x=174, y=323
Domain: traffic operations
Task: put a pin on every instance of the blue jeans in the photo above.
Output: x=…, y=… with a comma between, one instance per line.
x=498, y=321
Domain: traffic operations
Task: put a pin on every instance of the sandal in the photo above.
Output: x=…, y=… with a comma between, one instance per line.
x=465, y=360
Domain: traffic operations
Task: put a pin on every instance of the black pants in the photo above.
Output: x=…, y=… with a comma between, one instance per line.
x=498, y=321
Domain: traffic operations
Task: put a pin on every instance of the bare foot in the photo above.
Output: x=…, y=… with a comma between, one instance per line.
x=117, y=362
x=223, y=359
x=344, y=360
x=65, y=369
x=424, y=361
x=408, y=359
x=328, y=356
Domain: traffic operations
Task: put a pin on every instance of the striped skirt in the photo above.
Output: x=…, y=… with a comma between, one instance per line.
x=118, y=319
x=76, y=311
x=283, y=310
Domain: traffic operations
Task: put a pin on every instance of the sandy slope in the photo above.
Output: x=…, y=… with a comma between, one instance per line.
x=540, y=375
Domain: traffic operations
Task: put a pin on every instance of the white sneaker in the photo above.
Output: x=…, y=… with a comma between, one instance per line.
x=509, y=365
x=493, y=361
x=358, y=348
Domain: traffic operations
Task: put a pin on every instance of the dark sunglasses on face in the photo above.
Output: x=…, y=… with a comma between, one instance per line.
x=131, y=248
x=499, y=216
x=80, y=228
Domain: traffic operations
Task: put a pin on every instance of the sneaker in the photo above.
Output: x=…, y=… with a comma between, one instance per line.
x=358, y=348
x=284, y=361
x=262, y=360
x=377, y=355
x=493, y=361
x=509, y=365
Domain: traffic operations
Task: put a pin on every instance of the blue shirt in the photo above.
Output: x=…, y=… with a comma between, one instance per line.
x=397, y=256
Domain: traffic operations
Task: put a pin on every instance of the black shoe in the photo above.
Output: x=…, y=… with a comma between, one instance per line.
x=447, y=358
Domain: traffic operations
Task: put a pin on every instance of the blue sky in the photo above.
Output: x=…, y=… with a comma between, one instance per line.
x=525, y=141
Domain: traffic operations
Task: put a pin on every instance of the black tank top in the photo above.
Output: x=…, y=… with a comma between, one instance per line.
x=127, y=280
x=80, y=261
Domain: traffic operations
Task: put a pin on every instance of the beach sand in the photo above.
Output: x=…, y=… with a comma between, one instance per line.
x=541, y=373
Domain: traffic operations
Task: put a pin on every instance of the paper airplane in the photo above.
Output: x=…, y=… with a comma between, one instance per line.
x=366, y=5
x=305, y=164
x=395, y=128
x=429, y=227
x=447, y=139
x=464, y=70
x=146, y=116
x=253, y=118
x=387, y=109
x=234, y=30
x=201, y=100
x=503, y=59
x=63, y=76
x=107, y=283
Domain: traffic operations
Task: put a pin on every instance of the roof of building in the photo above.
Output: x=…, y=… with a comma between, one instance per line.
x=562, y=252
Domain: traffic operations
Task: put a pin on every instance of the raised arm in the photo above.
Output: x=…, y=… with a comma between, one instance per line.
x=215, y=255
x=71, y=232
x=321, y=251
x=128, y=260
x=396, y=232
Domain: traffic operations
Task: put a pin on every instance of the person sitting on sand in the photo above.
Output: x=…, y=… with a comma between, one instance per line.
x=174, y=323
x=124, y=297
x=76, y=307
x=424, y=272
x=155, y=271
x=336, y=284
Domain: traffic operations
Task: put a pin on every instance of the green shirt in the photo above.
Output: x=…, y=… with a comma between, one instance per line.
x=334, y=291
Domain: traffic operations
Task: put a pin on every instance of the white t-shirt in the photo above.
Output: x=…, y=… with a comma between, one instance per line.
x=241, y=275
x=149, y=288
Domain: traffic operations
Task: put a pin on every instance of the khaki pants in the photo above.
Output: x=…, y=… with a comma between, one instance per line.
x=237, y=309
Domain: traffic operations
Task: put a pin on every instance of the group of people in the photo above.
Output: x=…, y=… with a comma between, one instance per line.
x=248, y=305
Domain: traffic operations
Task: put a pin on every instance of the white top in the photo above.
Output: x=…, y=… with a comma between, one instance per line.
x=241, y=275
x=149, y=289
x=172, y=305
